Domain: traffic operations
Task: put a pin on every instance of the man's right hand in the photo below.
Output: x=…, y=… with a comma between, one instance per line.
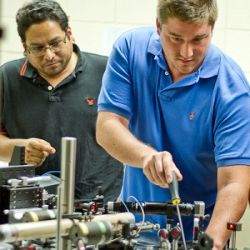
x=158, y=168
x=37, y=150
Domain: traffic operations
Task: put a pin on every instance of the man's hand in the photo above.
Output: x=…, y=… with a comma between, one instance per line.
x=158, y=167
x=37, y=150
x=231, y=202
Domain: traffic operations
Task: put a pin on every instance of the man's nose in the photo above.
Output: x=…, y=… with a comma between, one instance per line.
x=186, y=50
x=48, y=53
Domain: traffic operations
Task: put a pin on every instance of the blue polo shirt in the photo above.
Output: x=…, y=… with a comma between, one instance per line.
x=202, y=120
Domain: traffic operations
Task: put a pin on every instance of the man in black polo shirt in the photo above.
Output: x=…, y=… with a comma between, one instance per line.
x=52, y=93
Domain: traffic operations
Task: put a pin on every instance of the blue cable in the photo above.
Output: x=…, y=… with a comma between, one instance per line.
x=52, y=172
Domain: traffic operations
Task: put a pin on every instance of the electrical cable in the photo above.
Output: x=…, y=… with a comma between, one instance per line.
x=181, y=226
x=142, y=211
x=52, y=172
x=174, y=191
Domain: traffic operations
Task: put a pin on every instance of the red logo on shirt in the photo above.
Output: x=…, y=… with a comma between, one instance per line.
x=191, y=116
x=90, y=101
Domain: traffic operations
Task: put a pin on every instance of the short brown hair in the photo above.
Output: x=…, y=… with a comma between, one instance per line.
x=188, y=10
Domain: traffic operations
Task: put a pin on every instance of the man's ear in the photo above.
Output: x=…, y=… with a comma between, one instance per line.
x=70, y=34
x=25, y=49
x=158, y=26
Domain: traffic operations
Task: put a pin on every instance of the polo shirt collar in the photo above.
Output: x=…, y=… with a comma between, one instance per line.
x=27, y=69
x=154, y=46
x=211, y=63
x=81, y=63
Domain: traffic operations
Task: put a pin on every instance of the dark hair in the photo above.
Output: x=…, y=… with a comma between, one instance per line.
x=188, y=10
x=38, y=11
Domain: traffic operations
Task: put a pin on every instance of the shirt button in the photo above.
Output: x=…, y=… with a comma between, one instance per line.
x=50, y=88
x=166, y=73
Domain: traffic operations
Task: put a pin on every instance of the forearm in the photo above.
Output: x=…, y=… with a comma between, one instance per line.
x=114, y=136
x=230, y=205
x=7, y=145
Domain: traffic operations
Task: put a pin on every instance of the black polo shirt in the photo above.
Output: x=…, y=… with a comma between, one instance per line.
x=31, y=107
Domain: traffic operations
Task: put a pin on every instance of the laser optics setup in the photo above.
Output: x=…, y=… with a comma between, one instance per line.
x=40, y=212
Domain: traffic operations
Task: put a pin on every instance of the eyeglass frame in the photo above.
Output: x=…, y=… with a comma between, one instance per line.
x=55, y=47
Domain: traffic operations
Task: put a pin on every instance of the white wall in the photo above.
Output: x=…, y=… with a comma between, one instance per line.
x=96, y=24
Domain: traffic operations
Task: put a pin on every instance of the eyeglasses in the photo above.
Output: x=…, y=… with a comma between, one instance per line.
x=54, y=47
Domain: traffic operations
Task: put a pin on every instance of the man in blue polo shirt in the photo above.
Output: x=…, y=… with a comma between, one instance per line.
x=171, y=101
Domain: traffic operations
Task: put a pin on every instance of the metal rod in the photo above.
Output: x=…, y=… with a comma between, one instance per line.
x=48, y=229
x=59, y=218
x=68, y=162
x=232, y=241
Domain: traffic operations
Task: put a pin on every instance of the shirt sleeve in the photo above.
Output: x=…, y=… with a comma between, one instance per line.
x=232, y=120
x=116, y=94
